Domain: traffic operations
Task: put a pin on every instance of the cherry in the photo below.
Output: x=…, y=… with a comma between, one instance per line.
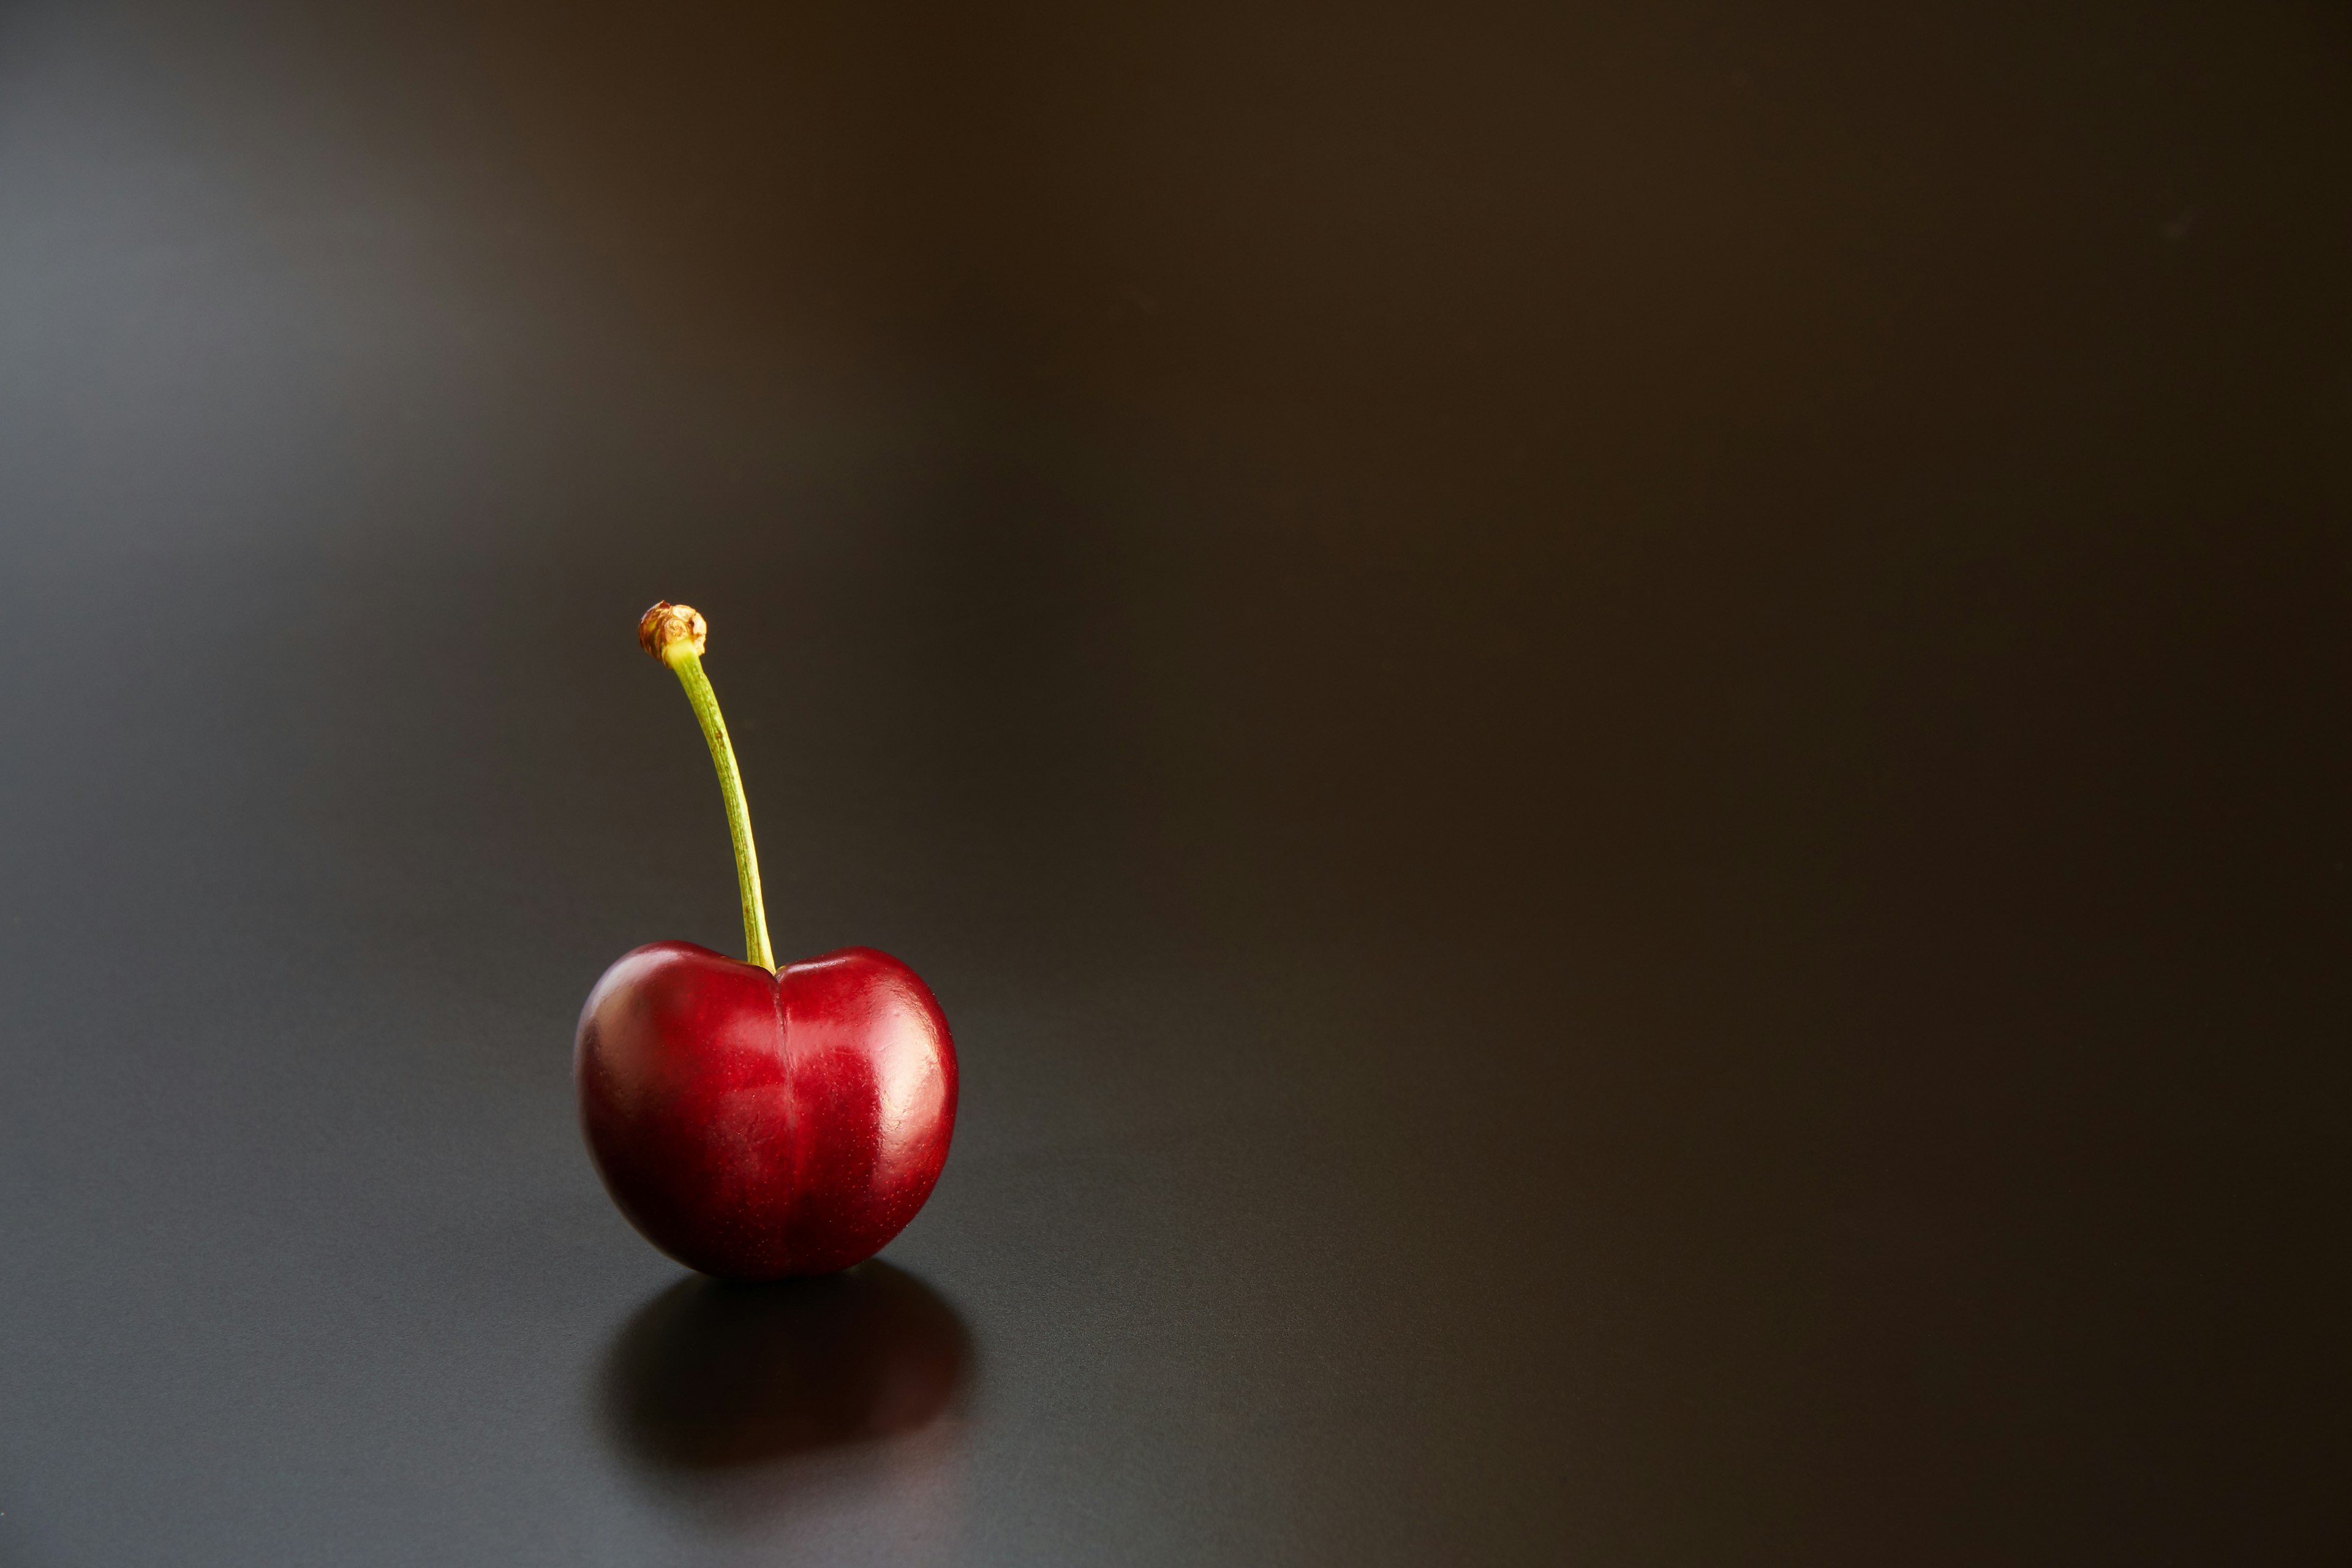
x=755, y=1124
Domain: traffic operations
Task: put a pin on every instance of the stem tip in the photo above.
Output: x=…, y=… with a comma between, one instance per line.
x=666, y=624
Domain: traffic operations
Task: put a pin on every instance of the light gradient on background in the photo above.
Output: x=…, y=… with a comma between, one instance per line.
x=1617, y=732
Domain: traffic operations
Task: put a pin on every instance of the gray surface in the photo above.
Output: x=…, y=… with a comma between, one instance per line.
x=1620, y=740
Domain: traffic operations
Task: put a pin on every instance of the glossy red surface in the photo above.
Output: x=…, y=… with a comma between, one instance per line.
x=755, y=1125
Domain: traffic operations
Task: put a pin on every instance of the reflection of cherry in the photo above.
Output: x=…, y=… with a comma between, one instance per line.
x=755, y=1124
x=710, y=1373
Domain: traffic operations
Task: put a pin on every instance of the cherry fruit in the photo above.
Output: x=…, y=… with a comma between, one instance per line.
x=753, y=1122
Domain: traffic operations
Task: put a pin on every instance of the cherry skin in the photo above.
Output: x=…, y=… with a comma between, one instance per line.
x=755, y=1125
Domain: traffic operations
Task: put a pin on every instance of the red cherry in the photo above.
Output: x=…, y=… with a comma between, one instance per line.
x=754, y=1125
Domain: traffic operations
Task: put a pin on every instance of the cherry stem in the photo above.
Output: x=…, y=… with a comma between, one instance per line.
x=681, y=656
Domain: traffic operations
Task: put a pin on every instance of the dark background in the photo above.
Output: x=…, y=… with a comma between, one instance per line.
x=1619, y=733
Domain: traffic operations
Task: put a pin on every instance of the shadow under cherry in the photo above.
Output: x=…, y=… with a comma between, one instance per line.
x=711, y=1375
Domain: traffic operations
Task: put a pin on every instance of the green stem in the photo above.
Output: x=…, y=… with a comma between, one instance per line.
x=681, y=658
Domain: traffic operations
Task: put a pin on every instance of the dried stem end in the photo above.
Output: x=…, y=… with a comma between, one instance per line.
x=667, y=624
